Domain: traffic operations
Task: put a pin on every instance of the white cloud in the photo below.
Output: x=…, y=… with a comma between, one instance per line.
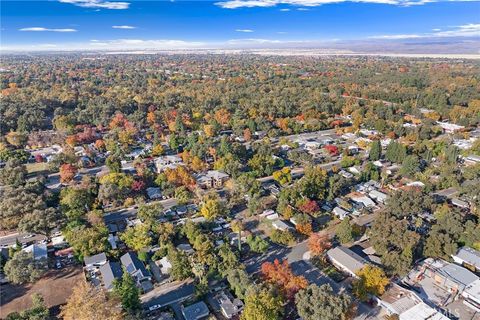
x=281, y=32
x=244, y=30
x=99, y=4
x=396, y=36
x=285, y=9
x=145, y=44
x=41, y=29
x=467, y=30
x=252, y=40
x=234, y=4
x=124, y=27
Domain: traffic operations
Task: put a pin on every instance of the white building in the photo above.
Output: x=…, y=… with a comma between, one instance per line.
x=340, y=213
x=450, y=127
x=168, y=162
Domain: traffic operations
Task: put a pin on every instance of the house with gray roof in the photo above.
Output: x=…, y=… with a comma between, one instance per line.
x=137, y=270
x=467, y=257
x=346, y=260
x=110, y=271
x=196, y=311
x=227, y=304
x=281, y=225
x=94, y=262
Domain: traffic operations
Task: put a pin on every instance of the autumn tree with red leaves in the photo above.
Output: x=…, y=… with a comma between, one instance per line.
x=67, y=172
x=318, y=244
x=280, y=274
x=138, y=185
x=309, y=206
x=333, y=150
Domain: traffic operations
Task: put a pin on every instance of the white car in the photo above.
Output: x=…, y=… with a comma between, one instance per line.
x=154, y=307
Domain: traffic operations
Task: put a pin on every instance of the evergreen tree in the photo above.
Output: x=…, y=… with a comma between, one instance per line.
x=375, y=151
x=344, y=231
x=127, y=291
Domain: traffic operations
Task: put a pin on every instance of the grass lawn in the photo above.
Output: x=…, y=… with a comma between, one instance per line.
x=36, y=167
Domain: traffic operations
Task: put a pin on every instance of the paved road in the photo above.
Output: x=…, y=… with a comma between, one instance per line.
x=310, y=135
x=299, y=171
x=295, y=254
x=7, y=241
x=168, y=294
x=131, y=212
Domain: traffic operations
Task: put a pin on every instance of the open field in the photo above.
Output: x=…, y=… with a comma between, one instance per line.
x=55, y=288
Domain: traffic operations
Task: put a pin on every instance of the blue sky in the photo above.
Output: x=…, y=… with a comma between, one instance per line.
x=101, y=24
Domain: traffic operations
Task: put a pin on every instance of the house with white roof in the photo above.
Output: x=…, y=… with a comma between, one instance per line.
x=168, y=162
x=361, y=198
x=407, y=305
x=450, y=127
x=340, y=213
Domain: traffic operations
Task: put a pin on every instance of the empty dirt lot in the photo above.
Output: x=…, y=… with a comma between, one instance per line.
x=55, y=287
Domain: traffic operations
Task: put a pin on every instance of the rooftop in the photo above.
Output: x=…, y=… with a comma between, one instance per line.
x=347, y=258
x=96, y=259
x=469, y=255
x=110, y=271
x=196, y=311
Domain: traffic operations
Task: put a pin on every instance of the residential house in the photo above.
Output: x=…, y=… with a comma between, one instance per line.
x=154, y=193
x=164, y=265
x=137, y=270
x=378, y=196
x=346, y=260
x=281, y=225
x=345, y=174
x=340, y=213
x=468, y=257
x=228, y=305
x=471, y=294
x=212, y=179
x=96, y=261
x=39, y=251
x=441, y=282
x=362, y=199
x=460, y=203
x=472, y=159
x=168, y=162
x=450, y=127
x=112, y=239
x=407, y=305
x=185, y=247
x=110, y=271
x=196, y=311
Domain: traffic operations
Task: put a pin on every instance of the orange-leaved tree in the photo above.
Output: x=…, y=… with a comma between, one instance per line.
x=280, y=273
x=318, y=244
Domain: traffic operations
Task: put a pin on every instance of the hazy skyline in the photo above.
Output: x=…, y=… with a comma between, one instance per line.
x=163, y=25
